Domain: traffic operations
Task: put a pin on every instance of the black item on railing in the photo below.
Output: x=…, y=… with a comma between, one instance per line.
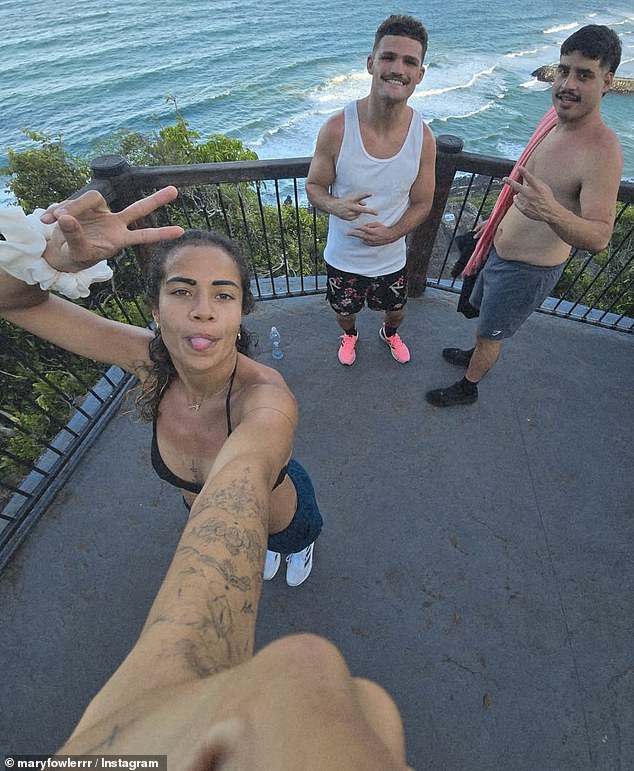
x=466, y=245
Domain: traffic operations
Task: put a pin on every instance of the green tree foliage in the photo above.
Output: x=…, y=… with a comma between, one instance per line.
x=278, y=238
x=604, y=280
x=45, y=173
x=39, y=393
x=174, y=145
x=178, y=144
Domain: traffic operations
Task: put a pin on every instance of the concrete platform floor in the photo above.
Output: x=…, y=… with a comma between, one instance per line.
x=477, y=562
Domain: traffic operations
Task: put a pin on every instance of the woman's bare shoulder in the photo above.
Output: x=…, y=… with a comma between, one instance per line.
x=261, y=386
x=254, y=373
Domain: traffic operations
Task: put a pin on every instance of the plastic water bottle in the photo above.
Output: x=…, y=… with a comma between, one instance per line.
x=276, y=351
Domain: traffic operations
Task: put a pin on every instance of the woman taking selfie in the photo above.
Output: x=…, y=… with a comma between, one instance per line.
x=207, y=400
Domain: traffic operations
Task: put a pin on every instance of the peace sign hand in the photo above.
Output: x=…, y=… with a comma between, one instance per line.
x=88, y=232
x=533, y=198
x=351, y=206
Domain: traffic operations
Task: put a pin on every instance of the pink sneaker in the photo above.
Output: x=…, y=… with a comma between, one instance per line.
x=346, y=352
x=398, y=349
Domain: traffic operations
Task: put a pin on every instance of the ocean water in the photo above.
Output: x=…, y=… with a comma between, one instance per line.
x=270, y=73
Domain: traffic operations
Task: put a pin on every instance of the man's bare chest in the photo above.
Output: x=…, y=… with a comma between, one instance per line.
x=560, y=166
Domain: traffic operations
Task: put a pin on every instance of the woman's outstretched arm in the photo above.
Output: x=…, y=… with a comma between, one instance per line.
x=85, y=232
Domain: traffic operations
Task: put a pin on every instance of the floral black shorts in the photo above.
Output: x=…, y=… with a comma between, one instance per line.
x=347, y=292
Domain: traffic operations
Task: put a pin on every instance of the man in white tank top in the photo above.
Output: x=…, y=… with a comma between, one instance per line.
x=373, y=171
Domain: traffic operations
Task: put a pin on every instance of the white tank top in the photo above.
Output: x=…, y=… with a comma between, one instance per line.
x=389, y=180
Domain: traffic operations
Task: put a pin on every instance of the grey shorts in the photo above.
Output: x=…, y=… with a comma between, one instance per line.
x=507, y=292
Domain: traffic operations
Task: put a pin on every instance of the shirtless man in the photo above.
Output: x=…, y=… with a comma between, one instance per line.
x=374, y=173
x=567, y=199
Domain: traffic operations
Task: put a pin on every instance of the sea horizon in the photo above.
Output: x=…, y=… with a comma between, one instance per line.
x=270, y=75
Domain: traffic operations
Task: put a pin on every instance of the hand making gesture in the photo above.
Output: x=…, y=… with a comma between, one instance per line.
x=87, y=231
x=532, y=197
x=374, y=234
x=349, y=207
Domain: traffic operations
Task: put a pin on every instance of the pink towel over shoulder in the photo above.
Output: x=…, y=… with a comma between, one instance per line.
x=505, y=199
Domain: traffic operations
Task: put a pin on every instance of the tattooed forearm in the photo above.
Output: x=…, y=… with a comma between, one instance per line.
x=209, y=613
x=248, y=609
x=199, y=661
x=237, y=540
x=212, y=641
x=239, y=498
x=225, y=568
x=204, y=616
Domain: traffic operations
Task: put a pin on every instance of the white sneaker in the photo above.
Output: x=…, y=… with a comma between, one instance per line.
x=299, y=565
x=271, y=565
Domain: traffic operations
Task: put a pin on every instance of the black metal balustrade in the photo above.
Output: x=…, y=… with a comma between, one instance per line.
x=50, y=410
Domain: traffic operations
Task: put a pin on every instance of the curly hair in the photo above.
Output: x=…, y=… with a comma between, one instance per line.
x=402, y=26
x=595, y=41
x=161, y=371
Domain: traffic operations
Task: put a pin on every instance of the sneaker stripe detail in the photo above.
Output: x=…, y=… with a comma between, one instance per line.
x=398, y=349
x=299, y=566
x=346, y=353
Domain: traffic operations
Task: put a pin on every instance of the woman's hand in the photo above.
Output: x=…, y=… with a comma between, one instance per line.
x=88, y=232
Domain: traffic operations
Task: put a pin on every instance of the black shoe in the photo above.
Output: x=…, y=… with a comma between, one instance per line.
x=457, y=356
x=448, y=397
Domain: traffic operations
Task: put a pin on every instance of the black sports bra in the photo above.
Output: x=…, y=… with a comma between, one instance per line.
x=167, y=475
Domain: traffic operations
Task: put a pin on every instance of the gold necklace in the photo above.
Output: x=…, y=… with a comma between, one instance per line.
x=197, y=405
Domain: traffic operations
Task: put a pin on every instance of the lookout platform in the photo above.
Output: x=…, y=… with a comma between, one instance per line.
x=476, y=562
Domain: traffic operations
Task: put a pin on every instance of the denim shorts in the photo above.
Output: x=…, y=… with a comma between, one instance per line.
x=307, y=523
x=507, y=292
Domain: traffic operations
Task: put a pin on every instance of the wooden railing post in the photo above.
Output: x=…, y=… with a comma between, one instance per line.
x=116, y=170
x=420, y=242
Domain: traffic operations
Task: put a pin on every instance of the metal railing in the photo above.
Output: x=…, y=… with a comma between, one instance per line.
x=50, y=412
x=595, y=288
x=263, y=204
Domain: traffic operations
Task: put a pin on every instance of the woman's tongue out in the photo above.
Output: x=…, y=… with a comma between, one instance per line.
x=200, y=343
